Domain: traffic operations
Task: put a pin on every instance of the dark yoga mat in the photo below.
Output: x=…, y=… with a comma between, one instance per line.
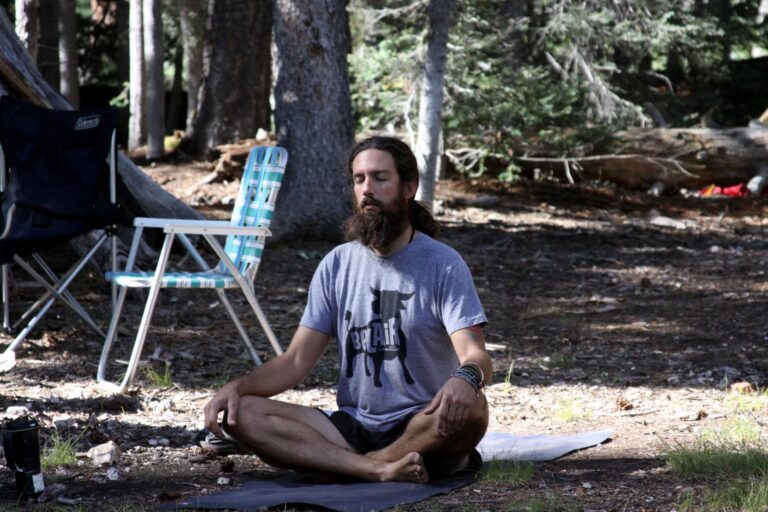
x=362, y=497
x=352, y=497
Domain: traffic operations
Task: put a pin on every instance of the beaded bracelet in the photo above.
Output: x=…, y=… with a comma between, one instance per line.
x=479, y=371
x=469, y=375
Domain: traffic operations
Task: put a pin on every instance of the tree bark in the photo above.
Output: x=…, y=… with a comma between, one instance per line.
x=174, y=102
x=155, y=84
x=236, y=50
x=686, y=158
x=70, y=81
x=26, y=25
x=136, y=98
x=48, y=51
x=192, y=21
x=515, y=11
x=313, y=117
x=431, y=102
x=19, y=77
x=123, y=59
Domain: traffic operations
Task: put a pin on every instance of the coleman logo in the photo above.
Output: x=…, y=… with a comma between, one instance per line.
x=86, y=123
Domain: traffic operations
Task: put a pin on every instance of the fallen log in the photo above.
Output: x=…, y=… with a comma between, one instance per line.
x=682, y=158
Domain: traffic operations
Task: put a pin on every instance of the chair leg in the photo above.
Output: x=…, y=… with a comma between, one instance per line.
x=65, y=283
x=110, y=338
x=6, y=299
x=113, y=254
x=247, y=290
x=141, y=334
x=251, y=297
x=58, y=292
x=66, y=296
x=243, y=333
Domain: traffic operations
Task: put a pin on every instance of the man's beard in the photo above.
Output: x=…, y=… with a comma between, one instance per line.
x=377, y=229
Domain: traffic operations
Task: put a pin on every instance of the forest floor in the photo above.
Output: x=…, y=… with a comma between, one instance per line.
x=607, y=309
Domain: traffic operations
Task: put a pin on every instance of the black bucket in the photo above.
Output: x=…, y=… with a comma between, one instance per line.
x=22, y=454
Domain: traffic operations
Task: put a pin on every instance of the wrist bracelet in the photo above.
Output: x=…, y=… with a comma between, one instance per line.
x=474, y=367
x=468, y=376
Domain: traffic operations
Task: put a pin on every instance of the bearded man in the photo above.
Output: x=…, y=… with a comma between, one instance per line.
x=408, y=325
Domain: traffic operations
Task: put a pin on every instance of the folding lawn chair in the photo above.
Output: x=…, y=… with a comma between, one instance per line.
x=239, y=258
x=57, y=178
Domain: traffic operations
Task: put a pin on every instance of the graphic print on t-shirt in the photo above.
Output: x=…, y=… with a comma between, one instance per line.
x=381, y=339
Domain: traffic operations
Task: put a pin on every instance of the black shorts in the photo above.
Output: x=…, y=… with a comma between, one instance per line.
x=362, y=439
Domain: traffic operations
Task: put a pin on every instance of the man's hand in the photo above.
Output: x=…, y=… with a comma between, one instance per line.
x=226, y=399
x=453, y=404
x=273, y=377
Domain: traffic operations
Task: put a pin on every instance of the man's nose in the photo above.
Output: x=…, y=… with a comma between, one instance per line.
x=366, y=186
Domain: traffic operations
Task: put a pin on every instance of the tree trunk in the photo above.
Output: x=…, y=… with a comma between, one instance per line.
x=26, y=25
x=18, y=76
x=136, y=98
x=431, y=102
x=235, y=51
x=192, y=21
x=174, y=103
x=516, y=11
x=686, y=158
x=313, y=117
x=70, y=82
x=123, y=59
x=155, y=83
x=48, y=51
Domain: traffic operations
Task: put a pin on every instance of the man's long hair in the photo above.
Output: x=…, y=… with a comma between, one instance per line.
x=408, y=170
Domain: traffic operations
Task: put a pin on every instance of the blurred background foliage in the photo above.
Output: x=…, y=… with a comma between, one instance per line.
x=553, y=77
x=524, y=77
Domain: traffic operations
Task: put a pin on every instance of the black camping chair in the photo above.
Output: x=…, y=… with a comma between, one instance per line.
x=57, y=178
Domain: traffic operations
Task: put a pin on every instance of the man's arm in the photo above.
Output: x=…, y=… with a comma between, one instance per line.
x=453, y=403
x=273, y=377
x=469, y=344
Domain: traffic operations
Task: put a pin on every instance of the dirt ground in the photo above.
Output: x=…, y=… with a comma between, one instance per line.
x=607, y=309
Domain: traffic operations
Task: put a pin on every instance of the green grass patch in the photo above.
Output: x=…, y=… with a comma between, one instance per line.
x=47, y=507
x=718, y=462
x=159, y=380
x=508, y=472
x=749, y=495
x=536, y=504
x=745, y=403
x=735, y=432
x=732, y=461
x=508, y=378
x=570, y=409
x=58, y=452
x=734, y=451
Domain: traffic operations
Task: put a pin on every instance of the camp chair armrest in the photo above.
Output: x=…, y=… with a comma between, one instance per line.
x=199, y=227
x=160, y=222
x=212, y=227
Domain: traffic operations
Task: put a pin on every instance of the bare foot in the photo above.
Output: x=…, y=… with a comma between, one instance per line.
x=408, y=469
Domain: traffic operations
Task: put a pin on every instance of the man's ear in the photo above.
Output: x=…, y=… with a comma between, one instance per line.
x=410, y=189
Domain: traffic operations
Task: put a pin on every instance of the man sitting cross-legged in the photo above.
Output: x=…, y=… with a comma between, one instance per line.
x=408, y=324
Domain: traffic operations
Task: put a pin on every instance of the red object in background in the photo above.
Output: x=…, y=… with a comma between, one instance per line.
x=738, y=190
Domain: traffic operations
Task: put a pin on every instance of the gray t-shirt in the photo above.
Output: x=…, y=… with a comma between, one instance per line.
x=392, y=317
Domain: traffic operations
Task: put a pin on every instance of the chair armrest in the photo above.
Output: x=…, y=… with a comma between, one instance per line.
x=158, y=222
x=199, y=227
x=213, y=227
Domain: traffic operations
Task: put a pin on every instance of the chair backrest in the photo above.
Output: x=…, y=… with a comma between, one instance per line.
x=255, y=206
x=57, y=174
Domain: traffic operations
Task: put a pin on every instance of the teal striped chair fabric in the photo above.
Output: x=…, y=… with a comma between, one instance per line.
x=239, y=258
x=254, y=206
